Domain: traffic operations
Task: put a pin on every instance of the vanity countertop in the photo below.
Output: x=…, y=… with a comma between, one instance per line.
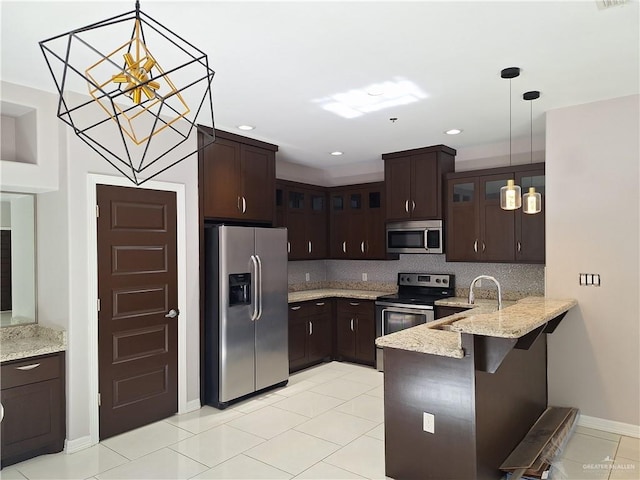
x=24, y=341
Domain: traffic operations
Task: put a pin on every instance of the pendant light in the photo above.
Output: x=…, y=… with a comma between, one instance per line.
x=510, y=194
x=531, y=201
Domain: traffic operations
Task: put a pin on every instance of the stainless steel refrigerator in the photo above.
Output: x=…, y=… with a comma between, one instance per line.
x=245, y=324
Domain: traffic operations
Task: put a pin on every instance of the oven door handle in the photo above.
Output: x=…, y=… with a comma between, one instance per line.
x=394, y=307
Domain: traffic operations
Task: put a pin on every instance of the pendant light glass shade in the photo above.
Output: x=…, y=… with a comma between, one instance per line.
x=532, y=202
x=510, y=196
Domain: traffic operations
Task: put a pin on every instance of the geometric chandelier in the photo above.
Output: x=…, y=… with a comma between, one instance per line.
x=134, y=113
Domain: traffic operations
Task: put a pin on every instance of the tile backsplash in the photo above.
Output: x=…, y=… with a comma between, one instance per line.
x=524, y=279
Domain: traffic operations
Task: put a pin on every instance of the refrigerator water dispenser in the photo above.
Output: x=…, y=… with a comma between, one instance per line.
x=239, y=289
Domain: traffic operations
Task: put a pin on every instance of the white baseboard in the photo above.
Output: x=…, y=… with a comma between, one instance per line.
x=191, y=406
x=73, y=446
x=610, y=426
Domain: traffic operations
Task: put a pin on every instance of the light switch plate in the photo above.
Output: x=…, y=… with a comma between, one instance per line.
x=428, y=422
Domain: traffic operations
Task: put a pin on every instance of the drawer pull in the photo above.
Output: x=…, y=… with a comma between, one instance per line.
x=320, y=304
x=28, y=367
x=355, y=304
x=296, y=308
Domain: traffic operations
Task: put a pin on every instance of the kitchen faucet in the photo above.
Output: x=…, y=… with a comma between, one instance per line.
x=485, y=277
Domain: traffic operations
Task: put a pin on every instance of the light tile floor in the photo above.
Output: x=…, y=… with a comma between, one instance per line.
x=327, y=423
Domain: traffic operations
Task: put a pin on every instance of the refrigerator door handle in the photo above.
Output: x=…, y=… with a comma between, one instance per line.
x=259, y=287
x=256, y=282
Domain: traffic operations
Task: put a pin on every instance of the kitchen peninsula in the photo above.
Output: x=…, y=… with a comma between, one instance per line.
x=462, y=392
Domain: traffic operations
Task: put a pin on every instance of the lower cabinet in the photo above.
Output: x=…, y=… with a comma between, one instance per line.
x=355, y=330
x=442, y=311
x=33, y=402
x=310, y=332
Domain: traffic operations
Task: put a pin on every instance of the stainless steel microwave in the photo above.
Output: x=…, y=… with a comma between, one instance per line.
x=415, y=237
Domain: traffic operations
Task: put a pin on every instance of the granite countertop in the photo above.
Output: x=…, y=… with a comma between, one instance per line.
x=305, y=295
x=24, y=341
x=443, y=337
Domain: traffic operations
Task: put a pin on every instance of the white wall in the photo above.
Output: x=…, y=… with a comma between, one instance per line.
x=64, y=166
x=592, y=173
x=41, y=176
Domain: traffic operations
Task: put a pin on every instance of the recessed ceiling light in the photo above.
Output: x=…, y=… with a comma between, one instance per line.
x=336, y=153
x=246, y=127
x=453, y=131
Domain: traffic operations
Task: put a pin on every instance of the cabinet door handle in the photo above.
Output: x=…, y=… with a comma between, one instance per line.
x=475, y=246
x=310, y=328
x=362, y=247
x=320, y=304
x=239, y=205
x=406, y=206
x=344, y=247
x=310, y=246
x=352, y=325
x=413, y=205
x=244, y=205
x=519, y=247
x=288, y=247
x=484, y=247
x=355, y=304
x=28, y=367
x=297, y=307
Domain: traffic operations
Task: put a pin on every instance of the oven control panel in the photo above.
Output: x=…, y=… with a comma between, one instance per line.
x=426, y=280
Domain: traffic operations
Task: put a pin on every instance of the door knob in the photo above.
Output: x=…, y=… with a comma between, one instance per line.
x=172, y=313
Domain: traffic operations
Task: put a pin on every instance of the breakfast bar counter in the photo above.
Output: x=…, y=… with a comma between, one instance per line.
x=461, y=392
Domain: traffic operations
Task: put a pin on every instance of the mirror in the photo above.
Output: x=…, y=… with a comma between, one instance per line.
x=18, y=259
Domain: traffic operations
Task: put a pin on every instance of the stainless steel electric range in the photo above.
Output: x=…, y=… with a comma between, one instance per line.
x=412, y=305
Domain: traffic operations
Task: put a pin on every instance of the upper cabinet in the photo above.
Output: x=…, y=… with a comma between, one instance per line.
x=237, y=179
x=414, y=182
x=477, y=229
x=357, y=217
x=302, y=208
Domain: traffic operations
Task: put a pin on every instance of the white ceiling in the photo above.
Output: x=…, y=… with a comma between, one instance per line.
x=273, y=59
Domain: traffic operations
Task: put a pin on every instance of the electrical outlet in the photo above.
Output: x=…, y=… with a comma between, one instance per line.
x=428, y=422
x=364, y=277
x=307, y=277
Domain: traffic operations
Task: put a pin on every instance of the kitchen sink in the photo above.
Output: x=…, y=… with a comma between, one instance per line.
x=446, y=325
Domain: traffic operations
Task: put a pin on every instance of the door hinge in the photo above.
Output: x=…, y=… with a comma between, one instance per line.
x=98, y=304
x=97, y=211
x=99, y=400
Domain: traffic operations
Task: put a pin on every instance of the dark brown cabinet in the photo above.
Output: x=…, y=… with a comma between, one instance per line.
x=477, y=229
x=355, y=330
x=442, y=311
x=33, y=399
x=310, y=333
x=357, y=217
x=414, y=182
x=237, y=179
x=530, y=245
x=302, y=209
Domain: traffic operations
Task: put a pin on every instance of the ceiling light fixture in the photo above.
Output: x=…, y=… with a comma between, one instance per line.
x=531, y=201
x=132, y=98
x=453, y=131
x=245, y=127
x=510, y=194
